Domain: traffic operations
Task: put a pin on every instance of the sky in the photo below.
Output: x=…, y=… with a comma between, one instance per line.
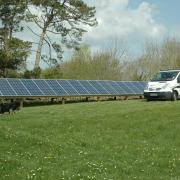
x=133, y=22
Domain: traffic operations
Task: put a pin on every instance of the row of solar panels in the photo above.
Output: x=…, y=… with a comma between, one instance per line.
x=54, y=88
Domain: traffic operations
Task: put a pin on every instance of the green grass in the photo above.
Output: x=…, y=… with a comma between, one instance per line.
x=104, y=140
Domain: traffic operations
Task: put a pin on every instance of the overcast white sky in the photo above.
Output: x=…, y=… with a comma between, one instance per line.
x=133, y=21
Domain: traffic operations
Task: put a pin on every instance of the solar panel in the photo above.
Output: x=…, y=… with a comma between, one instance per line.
x=78, y=87
x=118, y=88
x=51, y=88
x=92, y=90
x=57, y=88
x=142, y=85
x=99, y=87
x=108, y=87
x=18, y=87
x=32, y=87
x=6, y=89
x=126, y=89
x=131, y=87
x=45, y=88
x=71, y=91
x=139, y=87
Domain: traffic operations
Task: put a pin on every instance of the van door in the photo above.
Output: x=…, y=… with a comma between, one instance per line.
x=178, y=86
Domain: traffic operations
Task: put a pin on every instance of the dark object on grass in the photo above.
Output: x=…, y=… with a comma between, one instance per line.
x=9, y=107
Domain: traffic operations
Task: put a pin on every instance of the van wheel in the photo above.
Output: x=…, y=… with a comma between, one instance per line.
x=174, y=96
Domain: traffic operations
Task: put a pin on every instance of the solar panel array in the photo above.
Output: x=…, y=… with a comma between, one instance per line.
x=64, y=88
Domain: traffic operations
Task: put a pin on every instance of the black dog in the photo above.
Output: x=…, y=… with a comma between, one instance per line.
x=1, y=108
x=8, y=107
x=15, y=106
x=4, y=108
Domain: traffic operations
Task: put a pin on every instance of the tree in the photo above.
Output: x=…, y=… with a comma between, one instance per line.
x=64, y=18
x=78, y=67
x=143, y=67
x=55, y=72
x=102, y=65
x=105, y=66
x=156, y=56
x=12, y=12
x=13, y=51
x=170, y=54
x=18, y=52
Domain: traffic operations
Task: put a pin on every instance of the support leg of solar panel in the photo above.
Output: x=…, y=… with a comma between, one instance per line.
x=98, y=98
x=52, y=100
x=63, y=100
x=126, y=98
x=21, y=103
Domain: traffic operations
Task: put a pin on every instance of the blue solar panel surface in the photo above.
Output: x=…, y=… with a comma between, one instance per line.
x=68, y=87
x=78, y=87
x=45, y=88
x=118, y=88
x=136, y=87
x=55, y=88
x=142, y=85
x=18, y=87
x=6, y=89
x=124, y=88
x=91, y=89
x=32, y=87
x=107, y=85
x=99, y=87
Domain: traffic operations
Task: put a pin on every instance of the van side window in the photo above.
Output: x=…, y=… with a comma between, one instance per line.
x=178, y=79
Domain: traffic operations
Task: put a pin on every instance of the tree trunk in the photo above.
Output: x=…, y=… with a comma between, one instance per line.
x=41, y=41
x=6, y=48
x=38, y=52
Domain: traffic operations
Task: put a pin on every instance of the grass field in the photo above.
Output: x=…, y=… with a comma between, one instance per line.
x=104, y=140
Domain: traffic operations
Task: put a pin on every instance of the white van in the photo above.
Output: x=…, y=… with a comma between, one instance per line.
x=164, y=85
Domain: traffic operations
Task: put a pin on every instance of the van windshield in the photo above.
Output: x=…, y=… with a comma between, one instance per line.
x=165, y=76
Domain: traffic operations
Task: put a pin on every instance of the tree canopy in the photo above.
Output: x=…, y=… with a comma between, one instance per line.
x=65, y=19
x=13, y=51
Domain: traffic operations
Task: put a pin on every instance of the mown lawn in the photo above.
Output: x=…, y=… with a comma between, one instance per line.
x=104, y=140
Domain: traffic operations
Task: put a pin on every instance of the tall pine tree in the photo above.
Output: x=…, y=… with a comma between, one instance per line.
x=13, y=51
x=64, y=18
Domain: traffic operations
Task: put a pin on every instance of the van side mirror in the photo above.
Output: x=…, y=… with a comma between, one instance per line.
x=178, y=80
